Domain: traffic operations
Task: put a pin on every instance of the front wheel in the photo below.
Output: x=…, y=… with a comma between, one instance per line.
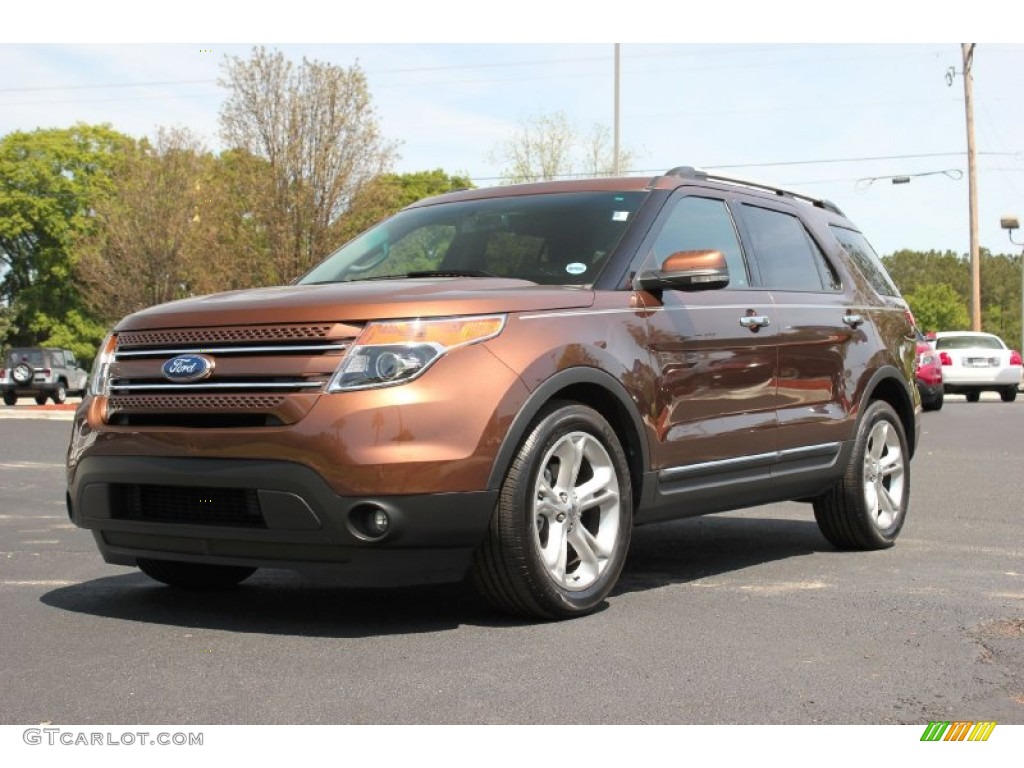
x=197, y=576
x=559, y=534
x=867, y=507
x=60, y=394
x=973, y=396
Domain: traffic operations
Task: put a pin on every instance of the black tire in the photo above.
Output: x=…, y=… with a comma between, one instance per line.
x=1009, y=394
x=60, y=394
x=196, y=576
x=568, y=446
x=973, y=396
x=10, y=398
x=935, y=404
x=40, y=399
x=22, y=374
x=859, y=512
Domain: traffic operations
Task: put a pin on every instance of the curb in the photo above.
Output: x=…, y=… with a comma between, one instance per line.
x=65, y=412
x=26, y=413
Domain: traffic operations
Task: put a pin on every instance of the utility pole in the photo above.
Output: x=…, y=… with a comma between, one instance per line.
x=967, y=50
x=615, y=141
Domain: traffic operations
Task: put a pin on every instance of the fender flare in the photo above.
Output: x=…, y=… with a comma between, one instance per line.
x=905, y=409
x=544, y=394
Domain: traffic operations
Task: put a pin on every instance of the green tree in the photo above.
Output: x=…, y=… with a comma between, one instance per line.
x=50, y=184
x=912, y=269
x=389, y=193
x=937, y=307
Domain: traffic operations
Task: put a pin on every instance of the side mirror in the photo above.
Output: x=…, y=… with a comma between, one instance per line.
x=686, y=271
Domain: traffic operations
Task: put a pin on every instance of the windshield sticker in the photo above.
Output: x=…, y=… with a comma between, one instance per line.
x=620, y=215
x=576, y=268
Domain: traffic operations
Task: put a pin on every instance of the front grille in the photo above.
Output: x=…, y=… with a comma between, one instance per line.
x=234, y=507
x=262, y=375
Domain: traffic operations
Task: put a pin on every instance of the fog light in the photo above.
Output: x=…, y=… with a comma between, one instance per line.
x=378, y=523
x=368, y=521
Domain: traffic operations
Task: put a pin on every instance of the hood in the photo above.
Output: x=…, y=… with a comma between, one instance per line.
x=354, y=302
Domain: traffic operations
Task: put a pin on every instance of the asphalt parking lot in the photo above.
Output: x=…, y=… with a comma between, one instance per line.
x=746, y=617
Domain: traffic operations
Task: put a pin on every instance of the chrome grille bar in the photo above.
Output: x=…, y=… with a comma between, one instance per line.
x=251, y=385
x=120, y=353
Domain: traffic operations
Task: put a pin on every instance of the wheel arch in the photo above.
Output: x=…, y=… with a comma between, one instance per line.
x=887, y=385
x=596, y=389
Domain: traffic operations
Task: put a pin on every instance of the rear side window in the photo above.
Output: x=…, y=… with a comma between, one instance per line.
x=786, y=254
x=864, y=256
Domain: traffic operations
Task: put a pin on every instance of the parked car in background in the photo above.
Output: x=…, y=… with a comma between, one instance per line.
x=974, y=362
x=41, y=373
x=928, y=375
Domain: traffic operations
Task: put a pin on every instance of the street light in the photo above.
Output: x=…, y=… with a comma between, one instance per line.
x=1010, y=223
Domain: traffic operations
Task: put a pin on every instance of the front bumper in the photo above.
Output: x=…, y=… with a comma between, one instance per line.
x=300, y=522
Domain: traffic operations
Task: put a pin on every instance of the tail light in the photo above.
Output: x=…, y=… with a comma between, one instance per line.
x=45, y=372
x=1015, y=358
x=910, y=317
x=945, y=359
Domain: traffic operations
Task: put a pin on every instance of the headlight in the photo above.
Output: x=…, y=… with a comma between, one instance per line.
x=99, y=379
x=397, y=351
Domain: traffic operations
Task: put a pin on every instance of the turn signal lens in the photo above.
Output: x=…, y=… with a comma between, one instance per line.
x=397, y=351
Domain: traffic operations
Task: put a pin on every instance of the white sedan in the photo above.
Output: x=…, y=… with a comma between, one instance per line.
x=975, y=362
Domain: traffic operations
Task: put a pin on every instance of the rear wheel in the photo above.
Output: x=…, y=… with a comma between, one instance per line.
x=196, y=576
x=561, y=528
x=1009, y=394
x=866, y=509
x=973, y=396
x=10, y=398
x=934, y=404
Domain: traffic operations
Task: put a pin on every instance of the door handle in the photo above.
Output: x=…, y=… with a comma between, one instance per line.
x=853, y=320
x=755, y=322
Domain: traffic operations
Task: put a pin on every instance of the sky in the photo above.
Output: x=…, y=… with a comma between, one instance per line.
x=787, y=97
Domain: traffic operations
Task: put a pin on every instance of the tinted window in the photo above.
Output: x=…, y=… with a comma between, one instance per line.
x=864, y=256
x=787, y=256
x=702, y=224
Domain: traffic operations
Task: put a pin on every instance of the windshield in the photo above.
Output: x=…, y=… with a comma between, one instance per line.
x=557, y=239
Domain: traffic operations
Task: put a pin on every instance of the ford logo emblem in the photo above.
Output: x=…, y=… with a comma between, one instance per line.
x=186, y=368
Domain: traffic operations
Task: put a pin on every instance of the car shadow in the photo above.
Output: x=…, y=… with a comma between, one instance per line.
x=686, y=551
x=284, y=603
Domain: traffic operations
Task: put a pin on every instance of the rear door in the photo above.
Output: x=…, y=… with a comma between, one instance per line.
x=822, y=335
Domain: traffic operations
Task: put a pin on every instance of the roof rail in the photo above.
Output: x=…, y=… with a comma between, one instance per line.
x=688, y=172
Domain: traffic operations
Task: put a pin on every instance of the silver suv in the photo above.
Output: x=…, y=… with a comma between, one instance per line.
x=42, y=374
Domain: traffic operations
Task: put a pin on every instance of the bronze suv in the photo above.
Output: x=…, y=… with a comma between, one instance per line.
x=500, y=383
